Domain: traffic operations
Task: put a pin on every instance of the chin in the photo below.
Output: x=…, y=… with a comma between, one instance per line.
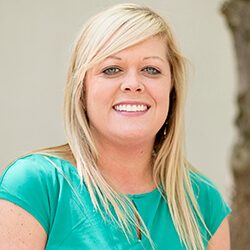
x=135, y=136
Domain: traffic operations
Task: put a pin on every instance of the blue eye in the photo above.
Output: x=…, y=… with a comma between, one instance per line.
x=111, y=71
x=151, y=70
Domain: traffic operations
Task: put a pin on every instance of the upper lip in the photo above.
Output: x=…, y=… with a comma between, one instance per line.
x=132, y=103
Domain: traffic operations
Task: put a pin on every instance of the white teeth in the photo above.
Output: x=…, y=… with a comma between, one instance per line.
x=131, y=108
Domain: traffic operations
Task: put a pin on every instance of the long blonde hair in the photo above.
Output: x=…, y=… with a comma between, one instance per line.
x=107, y=33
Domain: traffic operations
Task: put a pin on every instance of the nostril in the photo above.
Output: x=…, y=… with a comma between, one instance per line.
x=132, y=87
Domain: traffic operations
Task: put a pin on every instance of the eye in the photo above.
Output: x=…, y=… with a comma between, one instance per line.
x=111, y=70
x=151, y=70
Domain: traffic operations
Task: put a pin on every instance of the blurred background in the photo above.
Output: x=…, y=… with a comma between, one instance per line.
x=35, y=44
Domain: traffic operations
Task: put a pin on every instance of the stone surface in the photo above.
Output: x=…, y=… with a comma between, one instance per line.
x=237, y=14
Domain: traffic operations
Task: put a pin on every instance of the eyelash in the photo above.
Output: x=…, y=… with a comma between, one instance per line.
x=116, y=70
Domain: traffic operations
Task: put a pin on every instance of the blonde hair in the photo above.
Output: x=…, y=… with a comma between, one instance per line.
x=107, y=33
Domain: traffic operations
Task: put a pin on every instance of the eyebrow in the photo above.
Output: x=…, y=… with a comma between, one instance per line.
x=145, y=58
x=154, y=57
x=114, y=57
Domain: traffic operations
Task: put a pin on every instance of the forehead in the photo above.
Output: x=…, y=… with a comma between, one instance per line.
x=151, y=48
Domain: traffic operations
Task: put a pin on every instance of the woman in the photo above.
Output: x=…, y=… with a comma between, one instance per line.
x=122, y=181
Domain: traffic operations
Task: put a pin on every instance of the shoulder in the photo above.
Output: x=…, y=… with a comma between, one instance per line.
x=34, y=167
x=30, y=164
x=37, y=183
x=26, y=171
x=212, y=205
x=46, y=175
x=204, y=189
x=202, y=186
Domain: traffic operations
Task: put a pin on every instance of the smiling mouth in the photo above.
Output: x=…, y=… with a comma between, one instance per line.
x=131, y=107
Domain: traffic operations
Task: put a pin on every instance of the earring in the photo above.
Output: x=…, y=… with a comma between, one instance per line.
x=165, y=129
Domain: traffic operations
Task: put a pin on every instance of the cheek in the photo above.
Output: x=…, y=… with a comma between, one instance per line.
x=92, y=91
x=162, y=95
x=92, y=99
x=99, y=96
x=163, y=99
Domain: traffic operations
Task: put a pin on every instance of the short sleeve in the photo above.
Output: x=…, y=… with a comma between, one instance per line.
x=25, y=183
x=218, y=208
x=212, y=205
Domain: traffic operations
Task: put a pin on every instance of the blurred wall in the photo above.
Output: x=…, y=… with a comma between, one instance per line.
x=35, y=44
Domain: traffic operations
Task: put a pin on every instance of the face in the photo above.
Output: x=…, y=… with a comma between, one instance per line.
x=127, y=94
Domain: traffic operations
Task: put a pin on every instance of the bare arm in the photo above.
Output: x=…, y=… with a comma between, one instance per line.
x=19, y=229
x=221, y=238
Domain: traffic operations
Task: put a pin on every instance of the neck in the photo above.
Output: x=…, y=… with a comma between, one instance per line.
x=127, y=168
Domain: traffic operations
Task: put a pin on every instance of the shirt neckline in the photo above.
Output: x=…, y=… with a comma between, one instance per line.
x=144, y=195
x=131, y=196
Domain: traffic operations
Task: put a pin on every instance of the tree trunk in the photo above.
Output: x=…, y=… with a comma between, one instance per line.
x=237, y=14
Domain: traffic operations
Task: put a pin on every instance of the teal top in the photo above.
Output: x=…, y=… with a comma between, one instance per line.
x=49, y=189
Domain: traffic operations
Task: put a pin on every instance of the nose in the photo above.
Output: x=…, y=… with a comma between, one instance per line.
x=132, y=83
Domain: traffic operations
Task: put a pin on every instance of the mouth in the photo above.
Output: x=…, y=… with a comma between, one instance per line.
x=131, y=107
